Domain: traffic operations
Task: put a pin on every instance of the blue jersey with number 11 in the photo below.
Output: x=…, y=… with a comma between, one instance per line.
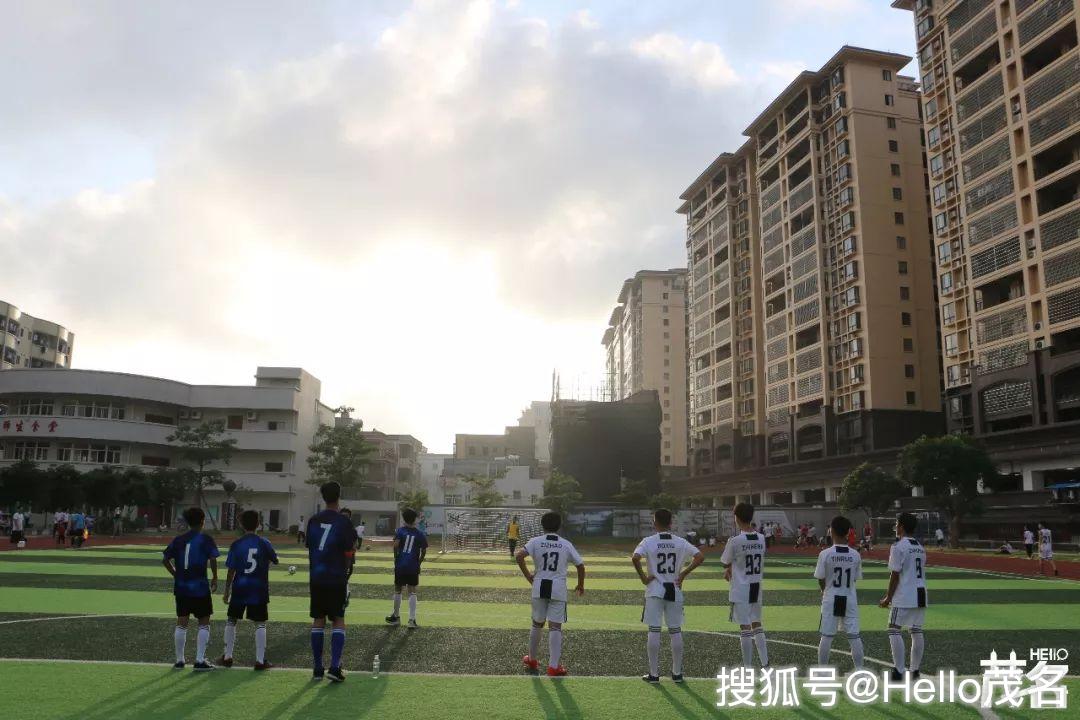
x=331, y=539
x=250, y=557
x=410, y=542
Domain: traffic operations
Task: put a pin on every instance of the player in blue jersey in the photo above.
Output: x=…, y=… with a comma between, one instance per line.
x=247, y=588
x=186, y=559
x=331, y=544
x=410, y=549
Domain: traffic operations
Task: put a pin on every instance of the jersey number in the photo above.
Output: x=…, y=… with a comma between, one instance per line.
x=918, y=568
x=407, y=546
x=251, y=562
x=551, y=561
x=839, y=580
x=326, y=533
x=753, y=564
x=665, y=563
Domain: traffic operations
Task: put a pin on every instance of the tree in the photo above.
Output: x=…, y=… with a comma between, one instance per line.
x=870, y=489
x=634, y=494
x=103, y=487
x=417, y=500
x=483, y=493
x=948, y=469
x=165, y=487
x=66, y=487
x=24, y=483
x=340, y=453
x=665, y=500
x=561, y=493
x=202, y=446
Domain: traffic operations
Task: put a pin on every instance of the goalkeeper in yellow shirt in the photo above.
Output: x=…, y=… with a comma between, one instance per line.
x=513, y=534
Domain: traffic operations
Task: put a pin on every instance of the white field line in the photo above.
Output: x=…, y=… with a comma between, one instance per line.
x=952, y=568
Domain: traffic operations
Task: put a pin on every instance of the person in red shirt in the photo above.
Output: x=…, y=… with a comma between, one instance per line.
x=851, y=538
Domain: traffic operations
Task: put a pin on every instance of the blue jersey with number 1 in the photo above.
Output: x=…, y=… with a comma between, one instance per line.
x=250, y=557
x=191, y=553
x=410, y=542
x=331, y=539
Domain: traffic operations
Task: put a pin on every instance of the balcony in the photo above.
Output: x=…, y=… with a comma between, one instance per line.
x=1042, y=19
x=989, y=191
x=1055, y=121
x=1054, y=82
x=1002, y=325
x=770, y=197
x=804, y=188
x=989, y=60
x=1057, y=157
x=964, y=12
x=984, y=127
x=1059, y=193
x=975, y=36
x=982, y=95
x=1000, y=291
x=1060, y=230
x=998, y=257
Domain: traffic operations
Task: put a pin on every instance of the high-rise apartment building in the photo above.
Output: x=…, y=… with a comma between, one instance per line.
x=812, y=316
x=30, y=342
x=645, y=344
x=1001, y=107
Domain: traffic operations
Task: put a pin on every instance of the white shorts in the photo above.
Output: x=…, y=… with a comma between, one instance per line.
x=550, y=610
x=830, y=623
x=907, y=617
x=745, y=613
x=1046, y=552
x=657, y=609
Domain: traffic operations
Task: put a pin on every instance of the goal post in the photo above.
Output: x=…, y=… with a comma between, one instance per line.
x=472, y=529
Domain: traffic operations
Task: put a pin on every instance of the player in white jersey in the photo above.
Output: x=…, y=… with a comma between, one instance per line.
x=1029, y=541
x=550, y=555
x=838, y=569
x=1046, y=549
x=906, y=595
x=743, y=558
x=663, y=576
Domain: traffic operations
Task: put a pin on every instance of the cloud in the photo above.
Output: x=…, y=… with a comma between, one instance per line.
x=429, y=214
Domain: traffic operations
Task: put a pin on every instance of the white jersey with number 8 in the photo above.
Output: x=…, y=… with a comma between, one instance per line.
x=551, y=555
x=908, y=558
x=745, y=553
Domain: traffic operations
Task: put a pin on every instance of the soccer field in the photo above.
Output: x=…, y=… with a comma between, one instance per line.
x=114, y=604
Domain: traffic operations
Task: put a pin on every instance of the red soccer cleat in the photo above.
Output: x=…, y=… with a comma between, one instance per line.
x=530, y=664
x=557, y=671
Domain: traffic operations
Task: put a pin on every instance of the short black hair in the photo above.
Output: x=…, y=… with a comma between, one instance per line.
x=840, y=525
x=194, y=517
x=662, y=516
x=249, y=520
x=744, y=512
x=331, y=491
x=408, y=515
x=551, y=521
x=907, y=521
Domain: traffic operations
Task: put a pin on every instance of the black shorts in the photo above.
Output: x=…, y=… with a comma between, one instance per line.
x=403, y=578
x=327, y=601
x=197, y=606
x=1030, y=547
x=258, y=613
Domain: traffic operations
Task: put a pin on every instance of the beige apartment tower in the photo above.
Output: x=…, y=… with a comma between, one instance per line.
x=645, y=344
x=1001, y=108
x=812, y=311
x=30, y=342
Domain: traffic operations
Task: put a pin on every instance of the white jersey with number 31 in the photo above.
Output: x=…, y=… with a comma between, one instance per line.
x=551, y=555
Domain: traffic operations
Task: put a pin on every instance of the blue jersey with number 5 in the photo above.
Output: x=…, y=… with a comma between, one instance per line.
x=331, y=539
x=250, y=557
x=190, y=553
x=410, y=542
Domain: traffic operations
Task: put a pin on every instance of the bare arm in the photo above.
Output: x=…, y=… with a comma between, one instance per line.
x=821, y=584
x=168, y=563
x=213, y=571
x=894, y=581
x=695, y=561
x=642, y=575
x=520, y=557
x=580, y=589
x=229, y=577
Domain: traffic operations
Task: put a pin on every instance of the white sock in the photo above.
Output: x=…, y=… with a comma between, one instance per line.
x=762, y=651
x=653, y=647
x=397, y=604
x=202, y=643
x=180, y=640
x=823, y=646
x=855, y=641
x=230, y=639
x=746, y=640
x=555, y=646
x=676, y=650
x=412, y=606
x=918, y=643
x=534, y=641
x=260, y=643
x=896, y=644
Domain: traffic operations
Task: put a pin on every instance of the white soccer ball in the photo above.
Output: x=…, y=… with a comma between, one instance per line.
x=292, y=569
x=22, y=543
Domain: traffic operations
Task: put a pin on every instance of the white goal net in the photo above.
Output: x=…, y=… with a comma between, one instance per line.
x=470, y=529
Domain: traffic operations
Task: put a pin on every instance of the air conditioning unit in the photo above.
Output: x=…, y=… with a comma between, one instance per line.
x=252, y=416
x=1031, y=243
x=1038, y=325
x=196, y=415
x=184, y=414
x=1030, y=254
x=1039, y=344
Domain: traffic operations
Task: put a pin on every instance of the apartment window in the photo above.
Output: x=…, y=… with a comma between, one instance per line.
x=664, y=308
x=857, y=373
x=905, y=292
x=847, y=221
x=667, y=336
x=909, y=371
x=848, y=245
x=472, y=451
x=905, y=318
x=850, y=271
x=888, y=99
x=27, y=451
x=273, y=425
x=667, y=376
x=890, y=122
x=897, y=194
x=910, y=397
x=667, y=459
x=937, y=164
x=98, y=453
x=909, y=345
x=843, y=148
x=517, y=494
x=667, y=389
x=235, y=422
x=894, y=146
x=667, y=348
x=274, y=467
x=666, y=322
x=886, y=75
x=901, y=242
x=840, y=126
x=898, y=218
x=941, y=222
x=851, y=296
x=667, y=416
x=847, y=196
x=948, y=313
x=667, y=403
x=933, y=136
x=667, y=444
x=853, y=321
x=946, y=282
x=901, y=267
x=667, y=362
x=665, y=296
x=843, y=172
x=840, y=101
x=952, y=374
x=952, y=344
x=931, y=108
x=894, y=169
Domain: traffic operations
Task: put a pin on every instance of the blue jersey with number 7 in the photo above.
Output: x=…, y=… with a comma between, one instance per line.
x=250, y=557
x=331, y=539
x=410, y=541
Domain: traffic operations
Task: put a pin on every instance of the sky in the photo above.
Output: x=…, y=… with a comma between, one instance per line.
x=428, y=205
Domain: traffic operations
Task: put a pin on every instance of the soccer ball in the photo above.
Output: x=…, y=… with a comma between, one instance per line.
x=292, y=569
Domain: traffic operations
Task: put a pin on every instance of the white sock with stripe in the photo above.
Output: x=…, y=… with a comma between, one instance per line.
x=746, y=640
x=823, y=646
x=762, y=650
x=534, y=641
x=896, y=644
x=230, y=639
x=260, y=643
x=180, y=641
x=412, y=606
x=676, y=650
x=917, y=646
x=855, y=641
x=202, y=643
x=397, y=604
x=653, y=647
x=555, y=647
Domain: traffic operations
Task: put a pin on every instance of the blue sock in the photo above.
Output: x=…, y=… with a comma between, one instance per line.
x=337, y=646
x=317, y=646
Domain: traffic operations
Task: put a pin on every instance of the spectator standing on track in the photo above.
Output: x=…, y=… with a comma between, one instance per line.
x=939, y=538
x=300, y=536
x=118, y=522
x=62, y=527
x=1029, y=541
x=78, y=528
x=18, y=525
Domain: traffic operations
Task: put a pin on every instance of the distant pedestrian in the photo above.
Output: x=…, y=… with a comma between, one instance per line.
x=78, y=529
x=118, y=522
x=300, y=536
x=939, y=538
x=62, y=527
x=18, y=526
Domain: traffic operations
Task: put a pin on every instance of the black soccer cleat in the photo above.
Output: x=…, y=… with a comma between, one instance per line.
x=335, y=675
x=412, y=625
x=651, y=679
x=259, y=666
x=915, y=674
x=393, y=619
x=225, y=662
x=317, y=673
x=896, y=675
x=677, y=678
x=202, y=667
x=178, y=665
